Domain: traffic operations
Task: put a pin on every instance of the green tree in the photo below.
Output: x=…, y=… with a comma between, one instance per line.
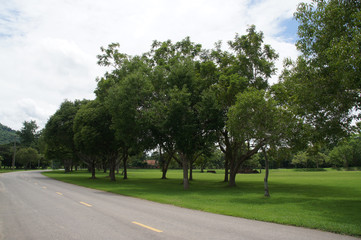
x=93, y=136
x=254, y=121
x=28, y=134
x=249, y=64
x=323, y=85
x=301, y=159
x=59, y=134
x=28, y=157
x=347, y=153
x=125, y=92
x=180, y=111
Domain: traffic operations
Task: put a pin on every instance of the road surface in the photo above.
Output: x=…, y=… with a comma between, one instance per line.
x=33, y=206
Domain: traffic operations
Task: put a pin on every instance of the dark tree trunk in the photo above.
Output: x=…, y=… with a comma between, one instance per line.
x=117, y=166
x=67, y=164
x=266, y=190
x=185, y=172
x=165, y=167
x=226, y=169
x=232, y=178
x=93, y=169
x=191, y=172
x=233, y=169
x=227, y=155
x=112, y=170
x=125, y=159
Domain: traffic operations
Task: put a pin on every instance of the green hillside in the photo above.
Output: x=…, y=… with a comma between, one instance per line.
x=6, y=134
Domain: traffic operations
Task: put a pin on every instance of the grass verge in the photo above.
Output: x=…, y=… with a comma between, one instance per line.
x=326, y=200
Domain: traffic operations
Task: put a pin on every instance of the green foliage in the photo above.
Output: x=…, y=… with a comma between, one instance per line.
x=347, y=153
x=28, y=134
x=28, y=157
x=7, y=135
x=59, y=134
x=323, y=85
x=253, y=118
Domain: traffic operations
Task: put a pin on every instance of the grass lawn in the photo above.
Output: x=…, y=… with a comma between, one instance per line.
x=9, y=170
x=327, y=200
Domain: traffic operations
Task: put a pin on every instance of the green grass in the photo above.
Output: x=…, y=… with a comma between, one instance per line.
x=327, y=200
x=9, y=170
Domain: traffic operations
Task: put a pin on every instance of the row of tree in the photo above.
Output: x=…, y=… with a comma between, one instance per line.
x=26, y=149
x=186, y=101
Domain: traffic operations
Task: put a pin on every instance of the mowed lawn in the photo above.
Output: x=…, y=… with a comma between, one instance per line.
x=327, y=200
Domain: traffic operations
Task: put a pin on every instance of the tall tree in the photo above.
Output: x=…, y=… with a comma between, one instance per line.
x=125, y=92
x=255, y=120
x=249, y=64
x=94, y=137
x=59, y=134
x=28, y=133
x=181, y=116
x=323, y=85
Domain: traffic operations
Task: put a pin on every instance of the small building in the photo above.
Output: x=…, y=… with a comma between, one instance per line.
x=152, y=163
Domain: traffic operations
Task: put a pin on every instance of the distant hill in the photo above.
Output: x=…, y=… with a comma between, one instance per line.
x=6, y=134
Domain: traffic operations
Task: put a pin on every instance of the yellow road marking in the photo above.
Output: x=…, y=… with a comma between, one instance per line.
x=44, y=187
x=86, y=204
x=59, y=193
x=150, y=228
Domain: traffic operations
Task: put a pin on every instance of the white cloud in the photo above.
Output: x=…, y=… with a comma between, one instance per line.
x=49, y=47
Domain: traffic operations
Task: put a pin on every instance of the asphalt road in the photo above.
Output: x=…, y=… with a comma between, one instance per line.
x=33, y=206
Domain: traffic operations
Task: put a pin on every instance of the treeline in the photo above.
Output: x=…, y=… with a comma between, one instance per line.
x=26, y=150
x=189, y=103
x=186, y=101
x=179, y=98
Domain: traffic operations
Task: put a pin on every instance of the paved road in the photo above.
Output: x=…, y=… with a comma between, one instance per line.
x=33, y=206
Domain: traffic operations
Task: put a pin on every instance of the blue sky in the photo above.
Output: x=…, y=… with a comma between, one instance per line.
x=49, y=47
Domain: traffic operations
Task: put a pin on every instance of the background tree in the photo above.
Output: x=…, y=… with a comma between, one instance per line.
x=28, y=134
x=347, y=153
x=300, y=159
x=28, y=157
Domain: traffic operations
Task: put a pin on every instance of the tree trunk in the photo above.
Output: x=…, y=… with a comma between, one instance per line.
x=185, y=171
x=232, y=169
x=125, y=159
x=190, y=172
x=93, y=169
x=232, y=178
x=165, y=167
x=226, y=170
x=266, y=190
x=117, y=166
x=112, y=171
x=67, y=164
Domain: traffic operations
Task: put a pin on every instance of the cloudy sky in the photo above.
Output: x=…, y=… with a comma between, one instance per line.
x=48, y=48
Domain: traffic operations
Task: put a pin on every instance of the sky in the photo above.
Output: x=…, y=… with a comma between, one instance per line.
x=48, y=48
